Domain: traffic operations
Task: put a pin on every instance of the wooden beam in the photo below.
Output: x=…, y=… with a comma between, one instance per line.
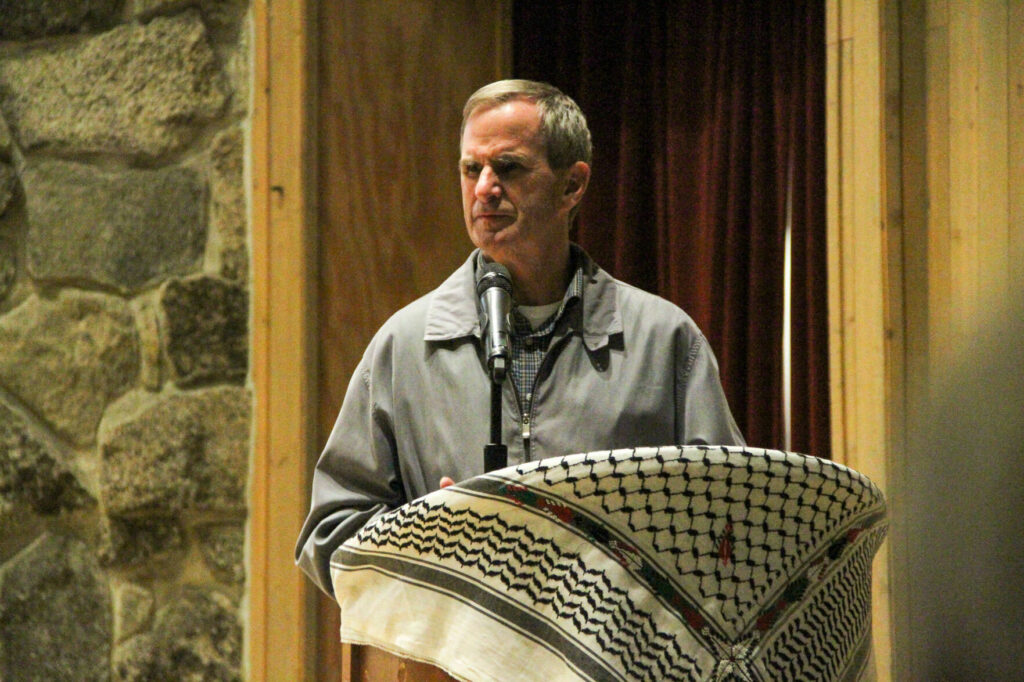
x=279, y=645
x=907, y=204
x=859, y=269
x=992, y=55
x=1015, y=144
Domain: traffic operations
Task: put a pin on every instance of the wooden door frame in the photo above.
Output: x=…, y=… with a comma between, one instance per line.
x=280, y=644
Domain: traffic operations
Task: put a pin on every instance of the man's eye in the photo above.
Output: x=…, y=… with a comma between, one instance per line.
x=506, y=167
x=471, y=169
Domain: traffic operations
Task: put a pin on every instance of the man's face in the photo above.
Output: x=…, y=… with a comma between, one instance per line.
x=514, y=204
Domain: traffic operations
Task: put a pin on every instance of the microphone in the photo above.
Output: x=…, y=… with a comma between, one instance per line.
x=494, y=289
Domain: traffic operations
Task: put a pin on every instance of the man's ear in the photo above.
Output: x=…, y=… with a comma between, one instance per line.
x=576, y=181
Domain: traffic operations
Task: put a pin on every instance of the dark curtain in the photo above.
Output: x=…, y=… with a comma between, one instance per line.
x=707, y=118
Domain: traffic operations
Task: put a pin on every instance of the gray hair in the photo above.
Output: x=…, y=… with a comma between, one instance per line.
x=562, y=125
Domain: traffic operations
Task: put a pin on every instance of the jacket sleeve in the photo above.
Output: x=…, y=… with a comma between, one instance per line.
x=702, y=410
x=356, y=478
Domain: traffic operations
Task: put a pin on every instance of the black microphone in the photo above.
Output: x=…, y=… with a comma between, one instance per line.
x=494, y=288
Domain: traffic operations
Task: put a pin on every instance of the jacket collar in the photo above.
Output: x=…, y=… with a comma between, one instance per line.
x=452, y=313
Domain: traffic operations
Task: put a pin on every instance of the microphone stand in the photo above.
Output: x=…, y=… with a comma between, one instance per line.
x=495, y=453
x=494, y=289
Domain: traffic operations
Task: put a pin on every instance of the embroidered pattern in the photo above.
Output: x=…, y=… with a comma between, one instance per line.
x=690, y=563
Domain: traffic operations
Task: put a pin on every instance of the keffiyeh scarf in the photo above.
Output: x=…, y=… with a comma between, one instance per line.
x=672, y=563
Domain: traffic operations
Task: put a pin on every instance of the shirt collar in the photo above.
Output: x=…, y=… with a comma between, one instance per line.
x=453, y=313
x=573, y=293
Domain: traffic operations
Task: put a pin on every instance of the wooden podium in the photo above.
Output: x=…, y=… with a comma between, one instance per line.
x=370, y=664
x=668, y=563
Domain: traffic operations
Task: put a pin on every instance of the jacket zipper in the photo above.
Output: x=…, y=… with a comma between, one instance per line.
x=527, y=413
x=524, y=415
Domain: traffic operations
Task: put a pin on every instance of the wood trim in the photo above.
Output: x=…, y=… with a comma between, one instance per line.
x=907, y=207
x=1015, y=143
x=859, y=269
x=278, y=642
x=992, y=60
x=834, y=46
x=965, y=167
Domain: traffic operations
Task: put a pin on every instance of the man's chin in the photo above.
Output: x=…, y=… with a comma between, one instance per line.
x=492, y=237
x=497, y=251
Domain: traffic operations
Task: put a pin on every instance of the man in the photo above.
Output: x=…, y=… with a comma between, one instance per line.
x=596, y=364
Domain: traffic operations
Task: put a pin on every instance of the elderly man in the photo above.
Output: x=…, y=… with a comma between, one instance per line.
x=596, y=364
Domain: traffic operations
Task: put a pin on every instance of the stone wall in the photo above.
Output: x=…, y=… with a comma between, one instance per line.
x=125, y=415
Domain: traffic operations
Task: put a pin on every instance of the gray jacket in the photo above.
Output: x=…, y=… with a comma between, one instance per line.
x=625, y=368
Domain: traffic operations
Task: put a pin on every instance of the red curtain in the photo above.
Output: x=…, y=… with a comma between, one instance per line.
x=708, y=125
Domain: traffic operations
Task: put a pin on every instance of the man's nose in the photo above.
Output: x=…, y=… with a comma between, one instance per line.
x=488, y=186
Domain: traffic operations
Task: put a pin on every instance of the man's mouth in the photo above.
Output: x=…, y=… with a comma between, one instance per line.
x=493, y=216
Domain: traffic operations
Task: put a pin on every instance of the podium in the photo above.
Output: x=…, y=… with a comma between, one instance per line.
x=671, y=563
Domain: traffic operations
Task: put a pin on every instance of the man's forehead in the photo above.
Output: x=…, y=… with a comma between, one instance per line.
x=511, y=102
x=511, y=152
x=502, y=128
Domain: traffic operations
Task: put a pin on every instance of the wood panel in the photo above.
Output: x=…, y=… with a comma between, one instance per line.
x=938, y=283
x=964, y=167
x=858, y=250
x=972, y=228
x=374, y=665
x=393, y=79
x=393, y=76
x=283, y=153
x=977, y=163
x=991, y=65
x=950, y=184
x=835, y=45
x=1015, y=143
x=905, y=210
x=924, y=203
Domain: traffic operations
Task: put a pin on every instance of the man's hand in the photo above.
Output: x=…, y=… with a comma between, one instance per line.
x=446, y=481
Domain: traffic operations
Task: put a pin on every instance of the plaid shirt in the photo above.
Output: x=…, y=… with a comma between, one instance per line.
x=529, y=345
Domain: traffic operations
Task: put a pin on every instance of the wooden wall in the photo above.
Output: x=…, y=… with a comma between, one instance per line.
x=393, y=78
x=972, y=152
x=961, y=193
x=926, y=224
